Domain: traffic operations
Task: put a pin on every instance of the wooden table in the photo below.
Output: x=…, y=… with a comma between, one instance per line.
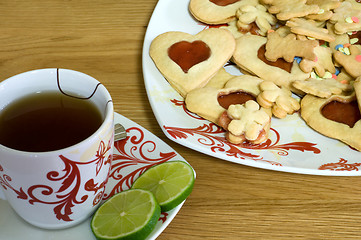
x=229, y=201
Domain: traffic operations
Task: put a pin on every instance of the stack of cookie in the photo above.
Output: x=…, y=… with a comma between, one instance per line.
x=307, y=47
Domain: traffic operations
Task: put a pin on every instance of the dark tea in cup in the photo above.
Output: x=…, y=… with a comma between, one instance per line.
x=48, y=121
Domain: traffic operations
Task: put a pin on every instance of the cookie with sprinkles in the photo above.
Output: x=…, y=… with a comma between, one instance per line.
x=350, y=62
x=346, y=18
x=326, y=9
x=322, y=64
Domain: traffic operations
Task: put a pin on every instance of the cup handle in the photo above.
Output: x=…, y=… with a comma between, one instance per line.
x=2, y=196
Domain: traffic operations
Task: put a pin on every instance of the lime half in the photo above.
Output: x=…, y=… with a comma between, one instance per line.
x=170, y=182
x=131, y=214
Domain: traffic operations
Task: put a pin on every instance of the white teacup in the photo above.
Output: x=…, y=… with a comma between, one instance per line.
x=60, y=188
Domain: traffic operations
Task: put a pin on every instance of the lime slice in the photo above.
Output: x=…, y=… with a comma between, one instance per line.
x=170, y=182
x=131, y=214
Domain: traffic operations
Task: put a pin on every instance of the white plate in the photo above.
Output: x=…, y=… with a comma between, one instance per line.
x=132, y=157
x=292, y=147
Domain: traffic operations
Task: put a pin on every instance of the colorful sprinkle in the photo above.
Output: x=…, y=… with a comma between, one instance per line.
x=348, y=20
x=346, y=51
x=355, y=19
x=313, y=75
x=338, y=46
x=353, y=40
x=334, y=76
x=358, y=58
x=337, y=71
x=321, y=11
x=344, y=81
x=316, y=59
x=327, y=75
x=298, y=59
x=346, y=45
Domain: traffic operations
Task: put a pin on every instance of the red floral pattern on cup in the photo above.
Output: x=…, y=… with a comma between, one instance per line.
x=67, y=195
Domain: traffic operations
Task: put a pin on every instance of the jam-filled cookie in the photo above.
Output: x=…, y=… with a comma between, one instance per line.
x=224, y=107
x=189, y=61
x=337, y=117
x=246, y=122
x=210, y=102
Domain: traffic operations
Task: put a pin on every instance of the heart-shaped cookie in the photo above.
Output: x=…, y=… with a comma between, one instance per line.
x=336, y=117
x=187, y=54
x=189, y=61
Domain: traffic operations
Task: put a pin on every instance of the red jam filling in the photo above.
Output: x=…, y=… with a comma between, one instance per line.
x=187, y=54
x=253, y=29
x=343, y=112
x=234, y=98
x=223, y=3
x=280, y=63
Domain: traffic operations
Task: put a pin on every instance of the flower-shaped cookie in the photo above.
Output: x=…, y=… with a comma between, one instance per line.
x=279, y=99
x=248, y=14
x=248, y=123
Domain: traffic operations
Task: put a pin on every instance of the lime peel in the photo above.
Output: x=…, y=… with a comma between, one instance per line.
x=171, y=183
x=131, y=214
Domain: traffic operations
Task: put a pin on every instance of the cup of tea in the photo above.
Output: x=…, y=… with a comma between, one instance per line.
x=56, y=145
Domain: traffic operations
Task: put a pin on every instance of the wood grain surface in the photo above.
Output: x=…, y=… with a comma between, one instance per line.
x=229, y=201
